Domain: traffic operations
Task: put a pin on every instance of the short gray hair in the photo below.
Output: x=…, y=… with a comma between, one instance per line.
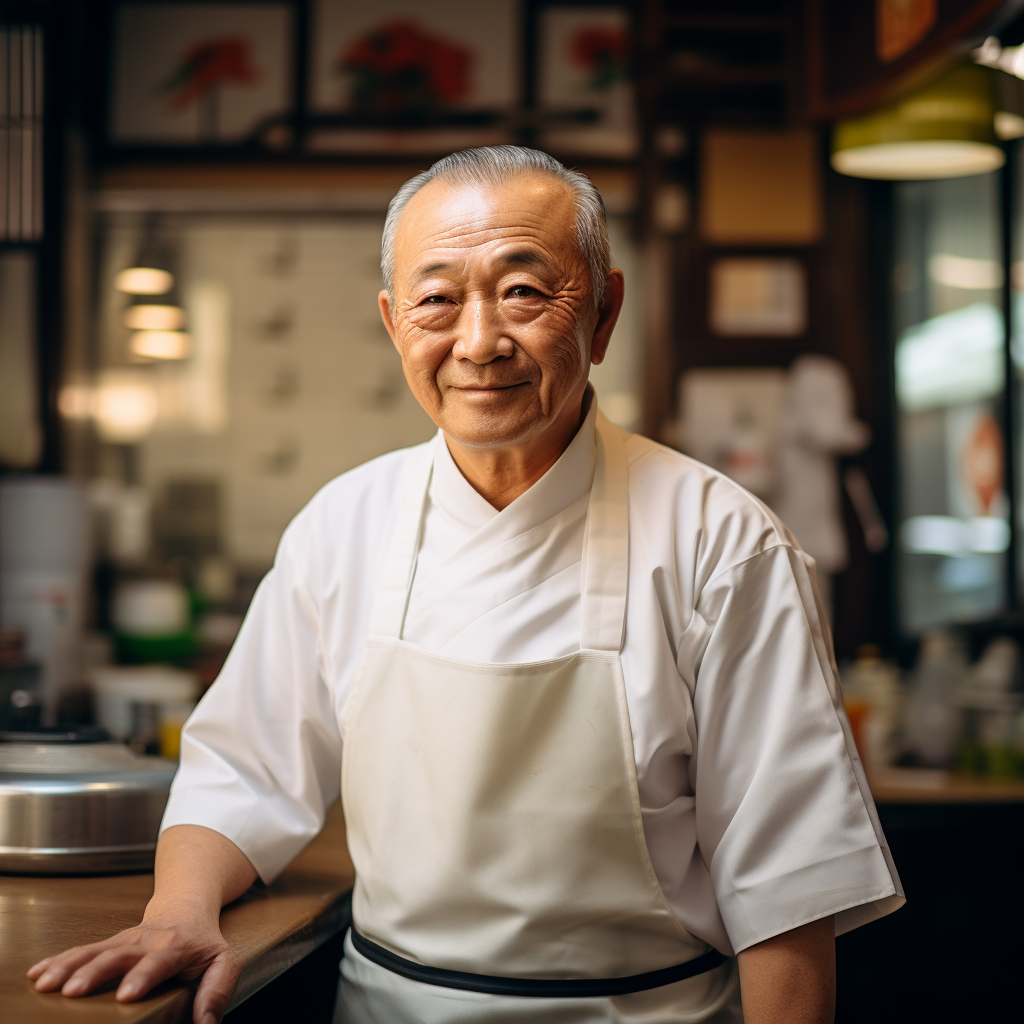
x=495, y=165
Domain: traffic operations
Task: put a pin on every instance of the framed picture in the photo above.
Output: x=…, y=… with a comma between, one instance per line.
x=198, y=74
x=404, y=58
x=584, y=68
x=758, y=297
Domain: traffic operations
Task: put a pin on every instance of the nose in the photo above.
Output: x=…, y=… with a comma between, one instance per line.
x=481, y=337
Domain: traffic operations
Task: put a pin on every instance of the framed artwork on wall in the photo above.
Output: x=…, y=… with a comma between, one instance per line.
x=198, y=74
x=585, y=67
x=758, y=297
x=454, y=60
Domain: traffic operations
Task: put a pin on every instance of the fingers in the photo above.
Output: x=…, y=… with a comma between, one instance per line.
x=103, y=967
x=36, y=969
x=51, y=973
x=216, y=988
x=82, y=970
x=149, y=971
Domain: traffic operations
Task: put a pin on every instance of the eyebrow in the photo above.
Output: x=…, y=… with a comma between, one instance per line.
x=431, y=268
x=524, y=258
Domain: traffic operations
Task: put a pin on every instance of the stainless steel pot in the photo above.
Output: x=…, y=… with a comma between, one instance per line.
x=73, y=807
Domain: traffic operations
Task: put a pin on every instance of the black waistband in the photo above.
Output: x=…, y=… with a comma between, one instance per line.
x=549, y=988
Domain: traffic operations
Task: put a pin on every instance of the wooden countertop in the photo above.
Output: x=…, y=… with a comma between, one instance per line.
x=928, y=786
x=270, y=928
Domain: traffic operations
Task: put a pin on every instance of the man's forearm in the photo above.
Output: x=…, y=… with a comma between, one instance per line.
x=197, y=870
x=791, y=978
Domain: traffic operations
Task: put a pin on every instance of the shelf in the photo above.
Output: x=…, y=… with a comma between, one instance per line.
x=725, y=77
x=926, y=786
x=731, y=23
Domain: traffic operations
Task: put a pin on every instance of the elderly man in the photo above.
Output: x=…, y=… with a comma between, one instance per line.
x=574, y=688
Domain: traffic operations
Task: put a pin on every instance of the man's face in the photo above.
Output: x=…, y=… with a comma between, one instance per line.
x=494, y=314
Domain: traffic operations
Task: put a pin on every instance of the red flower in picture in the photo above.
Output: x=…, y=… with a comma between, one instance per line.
x=603, y=53
x=207, y=65
x=400, y=66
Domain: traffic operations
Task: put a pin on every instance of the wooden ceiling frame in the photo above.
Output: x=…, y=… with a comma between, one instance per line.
x=944, y=45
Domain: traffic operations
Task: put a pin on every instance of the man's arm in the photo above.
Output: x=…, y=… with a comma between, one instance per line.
x=197, y=872
x=791, y=978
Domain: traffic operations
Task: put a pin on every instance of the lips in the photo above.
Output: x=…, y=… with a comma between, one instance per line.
x=489, y=387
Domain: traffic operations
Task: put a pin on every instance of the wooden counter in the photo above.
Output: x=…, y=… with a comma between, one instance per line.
x=270, y=928
x=928, y=786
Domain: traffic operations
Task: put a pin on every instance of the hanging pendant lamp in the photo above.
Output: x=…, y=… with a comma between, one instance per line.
x=154, y=314
x=942, y=131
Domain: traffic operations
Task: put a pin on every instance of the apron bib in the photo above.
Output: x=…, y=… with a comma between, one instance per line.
x=493, y=813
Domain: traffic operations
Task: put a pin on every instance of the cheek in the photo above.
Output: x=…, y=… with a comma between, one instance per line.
x=554, y=341
x=422, y=351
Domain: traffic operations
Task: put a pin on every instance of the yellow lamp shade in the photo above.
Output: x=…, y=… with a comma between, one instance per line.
x=942, y=131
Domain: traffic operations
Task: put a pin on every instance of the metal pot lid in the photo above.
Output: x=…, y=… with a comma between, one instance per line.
x=56, y=734
x=74, y=760
x=78, y=806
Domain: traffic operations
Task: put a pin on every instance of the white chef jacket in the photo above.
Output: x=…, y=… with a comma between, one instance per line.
x=755, y=808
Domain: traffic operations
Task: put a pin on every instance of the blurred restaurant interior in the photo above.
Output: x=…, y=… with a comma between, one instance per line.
x=819, y=211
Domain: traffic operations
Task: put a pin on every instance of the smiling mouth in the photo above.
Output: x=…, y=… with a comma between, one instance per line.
x=491, y=387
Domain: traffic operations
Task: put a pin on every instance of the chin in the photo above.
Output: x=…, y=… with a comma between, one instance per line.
x=476, y=428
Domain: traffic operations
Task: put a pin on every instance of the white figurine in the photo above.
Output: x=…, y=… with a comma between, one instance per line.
x=778, y=434
x=818, y=424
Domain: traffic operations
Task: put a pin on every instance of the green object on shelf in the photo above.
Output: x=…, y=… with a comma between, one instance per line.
x=989, y=760
x=1000, y=761
x=144, y=650
x=971, y=758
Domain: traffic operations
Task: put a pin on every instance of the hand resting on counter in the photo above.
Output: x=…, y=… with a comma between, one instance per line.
x=197, y=872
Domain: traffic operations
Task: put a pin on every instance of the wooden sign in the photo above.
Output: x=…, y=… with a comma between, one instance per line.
x=859, y=56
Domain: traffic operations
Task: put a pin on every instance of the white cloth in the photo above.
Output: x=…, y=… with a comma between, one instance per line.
x=756, y=812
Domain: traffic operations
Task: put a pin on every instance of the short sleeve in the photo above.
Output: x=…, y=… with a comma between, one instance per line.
x=261, y=754
x=785, y=820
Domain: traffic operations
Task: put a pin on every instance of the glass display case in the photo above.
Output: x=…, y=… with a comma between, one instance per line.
x=950, y=371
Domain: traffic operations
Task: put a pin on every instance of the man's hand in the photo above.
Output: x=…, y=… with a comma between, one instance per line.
x=197, y=872
x=791, y=978
x=161, y=947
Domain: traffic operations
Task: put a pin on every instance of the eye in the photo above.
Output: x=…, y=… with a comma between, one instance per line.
x=436, y=300
x=522, y=291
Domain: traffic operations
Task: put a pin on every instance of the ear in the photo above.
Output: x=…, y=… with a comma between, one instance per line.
x=607, y=315
x=385, y=314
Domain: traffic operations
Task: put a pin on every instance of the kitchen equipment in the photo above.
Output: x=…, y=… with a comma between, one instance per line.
x=73, y=802
x=44, y=555
x=121, y=690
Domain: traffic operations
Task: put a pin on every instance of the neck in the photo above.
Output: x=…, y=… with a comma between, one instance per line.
x=500, y=475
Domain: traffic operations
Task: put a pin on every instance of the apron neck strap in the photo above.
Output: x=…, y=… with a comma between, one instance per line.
x=605, y=548
x=391, y=600
x=606, y=545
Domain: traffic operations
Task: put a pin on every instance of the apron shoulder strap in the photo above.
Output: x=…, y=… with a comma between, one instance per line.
x=391, y=599
x=606, y=544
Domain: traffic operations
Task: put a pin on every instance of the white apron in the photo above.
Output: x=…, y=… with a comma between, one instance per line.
x=493, y=814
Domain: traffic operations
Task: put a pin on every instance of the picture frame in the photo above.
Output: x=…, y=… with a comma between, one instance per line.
x=189, y=74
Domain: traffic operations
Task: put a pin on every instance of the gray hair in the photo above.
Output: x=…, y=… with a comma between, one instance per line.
x=495, y=165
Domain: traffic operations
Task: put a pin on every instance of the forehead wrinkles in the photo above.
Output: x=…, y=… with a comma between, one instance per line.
x=449, y=216
x=489, y=236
